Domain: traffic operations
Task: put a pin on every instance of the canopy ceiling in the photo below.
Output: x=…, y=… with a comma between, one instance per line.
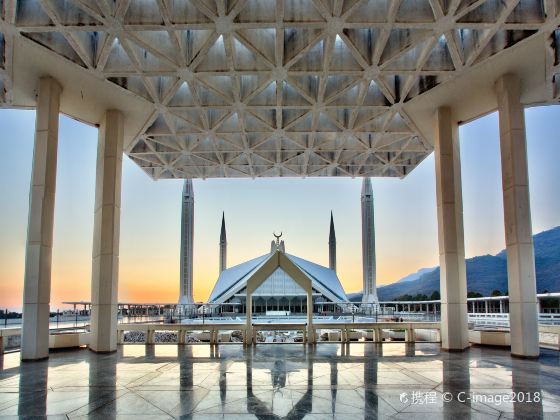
x=267, y=88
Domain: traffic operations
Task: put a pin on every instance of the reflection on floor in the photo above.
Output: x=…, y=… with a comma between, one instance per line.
x=360, y=380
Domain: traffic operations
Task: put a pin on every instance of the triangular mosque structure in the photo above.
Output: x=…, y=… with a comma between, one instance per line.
x=279, y=292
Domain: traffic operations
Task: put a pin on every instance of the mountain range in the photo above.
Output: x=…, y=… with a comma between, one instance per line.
x=485, y=273
x=417, y=275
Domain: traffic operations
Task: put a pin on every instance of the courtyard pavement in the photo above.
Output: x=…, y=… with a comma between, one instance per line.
x=275, y=381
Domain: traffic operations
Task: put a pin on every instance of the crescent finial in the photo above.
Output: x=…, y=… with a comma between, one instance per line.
x=277, y=238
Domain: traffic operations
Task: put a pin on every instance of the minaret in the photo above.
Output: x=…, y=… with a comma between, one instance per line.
x=223, y=245
x=332, y=246
x=368, y=243
x=187, y=240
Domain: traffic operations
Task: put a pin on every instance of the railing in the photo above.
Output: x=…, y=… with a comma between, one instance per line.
x=182, y=329
x=348, y=331
x=377, y=329
x=5, y=333
x=549, y=318
x=498, y=319
x=345, y=328
x=551, y=329
x=489, y=319
x=420, y=316
x=296, y=326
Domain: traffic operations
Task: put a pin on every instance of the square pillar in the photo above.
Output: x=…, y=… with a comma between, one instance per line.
x=517, y=220
x=150, y=336
x=249, y=318
x=453, y=277
x=38, y=255
x=106, y=232
x=409, y=335
x=310, y=330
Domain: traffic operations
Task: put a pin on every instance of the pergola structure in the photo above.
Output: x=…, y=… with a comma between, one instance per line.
x=266, y=88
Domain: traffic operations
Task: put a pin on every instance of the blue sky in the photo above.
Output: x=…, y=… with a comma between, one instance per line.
x=149, y=258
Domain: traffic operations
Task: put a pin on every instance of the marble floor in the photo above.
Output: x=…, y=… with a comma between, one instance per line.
x=292, y=381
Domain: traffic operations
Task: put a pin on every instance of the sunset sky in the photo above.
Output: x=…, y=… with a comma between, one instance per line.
x=300, y=208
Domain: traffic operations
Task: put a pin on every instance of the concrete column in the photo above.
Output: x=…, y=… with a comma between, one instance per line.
x=409, y=335
x=38, y=255
x=453, y=278
x=310, y=331
x=106, y=233
x=517, y=220
x=377, y=335
x=150, y=336
x=249, y=319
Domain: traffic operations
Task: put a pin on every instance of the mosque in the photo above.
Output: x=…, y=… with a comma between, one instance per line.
x=279, y=294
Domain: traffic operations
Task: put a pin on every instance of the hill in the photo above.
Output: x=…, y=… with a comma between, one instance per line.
x=417, y=275
x=487, y=273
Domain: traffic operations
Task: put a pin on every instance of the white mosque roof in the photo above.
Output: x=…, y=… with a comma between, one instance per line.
x=234, y=279
x=235, y=275
x=322, y=275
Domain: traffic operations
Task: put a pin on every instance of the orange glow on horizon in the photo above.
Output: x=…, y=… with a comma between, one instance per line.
x=152, y=284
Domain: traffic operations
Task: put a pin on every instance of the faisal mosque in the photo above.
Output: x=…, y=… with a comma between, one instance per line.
x=279, y=293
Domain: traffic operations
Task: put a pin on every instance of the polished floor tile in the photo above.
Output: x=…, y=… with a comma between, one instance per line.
x=288, y=381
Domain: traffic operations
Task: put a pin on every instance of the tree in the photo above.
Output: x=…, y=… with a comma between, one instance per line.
x=435, y=295
x=473, y=294
x=496, y=293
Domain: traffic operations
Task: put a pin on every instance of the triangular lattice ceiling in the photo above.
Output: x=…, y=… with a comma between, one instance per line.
x=255, y=88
